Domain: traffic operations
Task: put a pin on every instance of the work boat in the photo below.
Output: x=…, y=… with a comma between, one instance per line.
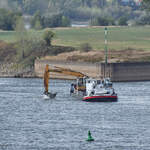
x=99, y=91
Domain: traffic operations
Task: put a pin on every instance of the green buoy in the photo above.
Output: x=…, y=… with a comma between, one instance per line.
x=90, y=138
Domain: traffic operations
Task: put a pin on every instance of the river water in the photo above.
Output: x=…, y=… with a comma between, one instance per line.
x=28, y=122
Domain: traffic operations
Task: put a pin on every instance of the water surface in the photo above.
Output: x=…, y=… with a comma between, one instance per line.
x=28, y=122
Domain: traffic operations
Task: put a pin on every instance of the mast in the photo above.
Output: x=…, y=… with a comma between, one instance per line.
x=106, y=51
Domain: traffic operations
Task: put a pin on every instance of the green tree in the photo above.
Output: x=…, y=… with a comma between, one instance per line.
x=48, y=36
x=123, y=21
x=146, y=4
x=8, y=19
x=21, y=34
x=36, y=21
x=38, y=25
x=65, y=22
x=56, y=20
x=101, y=21
x=144, y=19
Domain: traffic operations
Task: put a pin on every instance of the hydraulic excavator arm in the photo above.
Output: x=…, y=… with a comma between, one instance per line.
x=46, y=78
x=64, y=71
x=67, y=72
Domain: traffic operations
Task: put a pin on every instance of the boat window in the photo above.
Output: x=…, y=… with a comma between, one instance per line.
x=98, y=81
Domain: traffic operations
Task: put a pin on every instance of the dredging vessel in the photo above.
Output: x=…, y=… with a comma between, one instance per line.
x=90, y=89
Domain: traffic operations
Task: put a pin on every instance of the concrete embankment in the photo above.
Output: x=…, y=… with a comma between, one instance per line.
x=137, y=71
x=88, y=69
x=118, y=72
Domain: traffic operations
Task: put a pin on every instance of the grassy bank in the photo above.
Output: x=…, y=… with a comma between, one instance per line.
x=119, y=38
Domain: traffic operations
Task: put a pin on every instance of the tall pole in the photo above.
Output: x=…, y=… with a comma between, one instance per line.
x=106, y=33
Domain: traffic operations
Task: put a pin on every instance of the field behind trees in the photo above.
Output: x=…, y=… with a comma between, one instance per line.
x=119, y=38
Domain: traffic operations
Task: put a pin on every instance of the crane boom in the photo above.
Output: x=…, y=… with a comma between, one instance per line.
x=67, y=72
x=46, y=78
x=62, y=71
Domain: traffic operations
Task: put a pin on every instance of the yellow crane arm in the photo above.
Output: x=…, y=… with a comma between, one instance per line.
x=67, y=72
x=46, y=78
x=62, y=71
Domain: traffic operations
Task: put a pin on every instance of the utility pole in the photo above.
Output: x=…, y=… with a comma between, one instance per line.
x=106, y=51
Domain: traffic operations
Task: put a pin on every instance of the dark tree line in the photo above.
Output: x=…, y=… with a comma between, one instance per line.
x=55, y=13
x=146, y=4
x=61, y=6
x=8, y=19
x=55, y=20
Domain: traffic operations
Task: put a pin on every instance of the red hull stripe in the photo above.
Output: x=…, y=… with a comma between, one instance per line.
x=115, y=97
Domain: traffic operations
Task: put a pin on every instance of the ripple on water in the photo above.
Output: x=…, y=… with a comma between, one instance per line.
x=29, y=122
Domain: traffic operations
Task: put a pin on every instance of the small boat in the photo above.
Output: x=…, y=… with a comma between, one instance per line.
x=100, y=91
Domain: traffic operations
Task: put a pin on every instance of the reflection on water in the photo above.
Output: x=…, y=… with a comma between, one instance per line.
x=28, y=122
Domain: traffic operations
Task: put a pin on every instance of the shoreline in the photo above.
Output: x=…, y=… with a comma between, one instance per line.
x=118, y=72
x=53, y=78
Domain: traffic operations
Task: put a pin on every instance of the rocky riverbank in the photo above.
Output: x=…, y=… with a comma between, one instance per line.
x=85, y=62
x=10, y=70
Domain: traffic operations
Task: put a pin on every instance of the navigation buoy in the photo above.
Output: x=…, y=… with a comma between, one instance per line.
x=90, y=138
